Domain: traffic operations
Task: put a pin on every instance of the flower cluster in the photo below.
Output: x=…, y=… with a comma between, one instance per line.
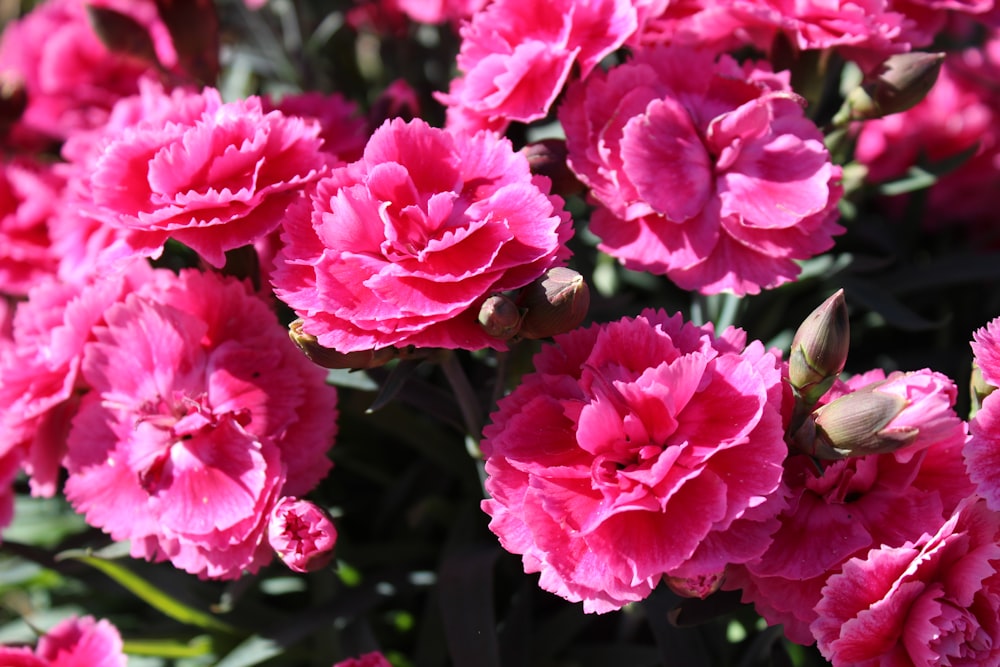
x=211, y=250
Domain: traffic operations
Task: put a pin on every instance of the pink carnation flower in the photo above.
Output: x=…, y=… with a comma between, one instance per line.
x=718, y=181
x=29, y=192
x=858, y=503
x=960, y=113
x=403, y=246
x=982, y=451
x=301, y=534
x=71, y=79
x=343, y=130
x=638, y=449
x=214, y=181
x=200, y=417
x=934, y=600
x=986, y=351
x=40, y=369
x=867, y=31
x=373, y=659
x=71, y=643
x=516, y=55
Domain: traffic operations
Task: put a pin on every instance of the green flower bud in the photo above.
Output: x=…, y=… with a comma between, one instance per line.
x=330, y=358
x=855, y=424
x=500, y=317
x=555, y=303
x=902, y=81
x=548, y=158
x=819, y=349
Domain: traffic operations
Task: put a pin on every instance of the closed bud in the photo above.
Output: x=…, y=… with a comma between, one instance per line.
x=902, y=81
x=330, y=358
x=979, y=388
x=500, y=317
x=696, y=587
x=856, y=424
x=122, y=34
x=548, y=158
x=819, y=349
x=554, y=304
x=301, y=534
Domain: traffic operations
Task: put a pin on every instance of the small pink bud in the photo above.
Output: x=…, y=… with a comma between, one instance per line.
x=330, y=358
x=373, y=659
x=696, y=587
x=548, y=158
x=301, y=534
x=819, y=349
x=856, y=424
x=500, y=317
x=554, y=304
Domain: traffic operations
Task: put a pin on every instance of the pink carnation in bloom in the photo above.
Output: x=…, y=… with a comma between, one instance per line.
x=934, y=600
x=29, y=192
x=718, y=181
x=215, y=182
x=200, y=417
x=858, y=503
x=516, y=55
x=72, y=643
x=960, y=113
x=71, y=79
x=39, y=370
x=373, y=659
x=403, y=246
x=301, y=534
x=639, y=449
x=343, y=130
x=982, y=451
x=867, y=31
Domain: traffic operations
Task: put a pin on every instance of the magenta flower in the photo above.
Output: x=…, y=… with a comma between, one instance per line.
x=960, y=113
x=70, y=78
x=373, y=659
x=301, y=534
x=982, y=451
x=639, y=449
x=218, y=177
x=931, y=601
x=73, y=642
x=517, y=55
x=29, y=192
x=200, y=417
x=404, y=245
x=718, y=181
x=858, y=503
x=40, y=369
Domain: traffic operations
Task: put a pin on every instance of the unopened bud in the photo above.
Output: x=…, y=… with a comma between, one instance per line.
x=122, y=34
x=902, y=81
x=301, y=534
x=819, y=349
x=979, y=388
x=330, y=358
x=696, y=587
x=554, y=304
x=856, y=424
x=548, y=158
x=500, y=317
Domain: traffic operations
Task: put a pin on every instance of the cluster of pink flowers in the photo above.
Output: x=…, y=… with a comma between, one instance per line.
x=172, y=410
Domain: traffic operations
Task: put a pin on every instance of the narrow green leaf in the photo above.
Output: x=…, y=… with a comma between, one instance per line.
x=155, y=597
x=169, y=648
x=253, y=651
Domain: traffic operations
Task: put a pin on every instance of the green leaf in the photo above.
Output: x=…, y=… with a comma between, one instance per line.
x=169, y=648
x=253, y=651
x=155, y=597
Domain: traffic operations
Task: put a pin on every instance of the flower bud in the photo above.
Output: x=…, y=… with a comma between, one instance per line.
x=301, y=534
x=903, y=80
x=555, y=303
x=548, y=158
x=122, y=34
x=330, y=358
x=979, y=388
x=500, y=317
x=819, y=349
x=856, y=424
x=696, y=587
